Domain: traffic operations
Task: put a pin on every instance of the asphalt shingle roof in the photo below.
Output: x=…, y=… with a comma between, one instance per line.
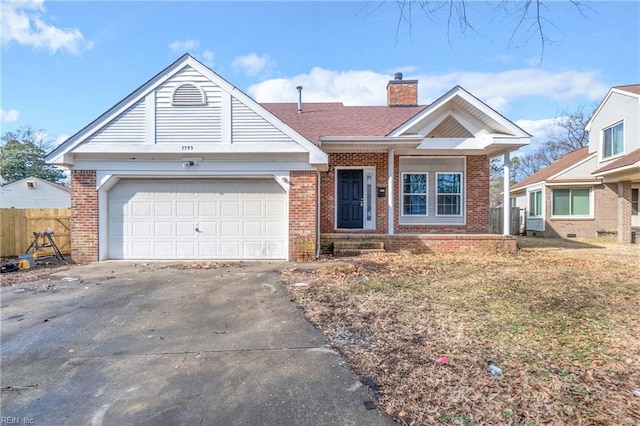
x=335, y=119
x=556, y=167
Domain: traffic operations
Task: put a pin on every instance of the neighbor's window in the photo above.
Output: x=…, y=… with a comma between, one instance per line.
x=613, y=140
x=414, y=194
x=634, y=201
x=449, y=194
x=570, y=202
x=535, y=203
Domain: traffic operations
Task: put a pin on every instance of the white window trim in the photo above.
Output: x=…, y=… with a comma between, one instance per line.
x=461, y=193
x=402, y=194
x=575, y=216
x=541, y=215
x=611, y=126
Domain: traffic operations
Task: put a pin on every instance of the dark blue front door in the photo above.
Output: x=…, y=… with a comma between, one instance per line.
x=350, y=199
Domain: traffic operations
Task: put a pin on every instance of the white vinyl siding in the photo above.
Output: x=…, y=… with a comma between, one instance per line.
x=128, y=127
x=197, y=219
x=617, y=107
x=249, y=126
x=431, y=167
x=188, y=123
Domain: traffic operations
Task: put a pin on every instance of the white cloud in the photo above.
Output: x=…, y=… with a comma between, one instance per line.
x=24, y=23
x=207, y=57
x=321, y=85
x=9, y=116
x=539, y=129
x=185, y=45
x=59, y=139
x=498, y=89
x=254, y=64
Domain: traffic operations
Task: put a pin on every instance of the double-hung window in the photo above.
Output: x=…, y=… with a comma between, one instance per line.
x=571, y=202
x=613, y=140
x=535, y=203
x=449, y=194
x=414, y=194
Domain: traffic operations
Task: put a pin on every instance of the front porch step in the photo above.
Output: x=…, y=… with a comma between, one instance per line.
x=356, y=248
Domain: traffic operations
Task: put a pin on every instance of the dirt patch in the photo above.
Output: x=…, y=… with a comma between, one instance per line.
x=32, y=274
x=559, y=318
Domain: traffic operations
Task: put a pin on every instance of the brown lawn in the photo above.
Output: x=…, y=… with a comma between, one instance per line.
x=561, y=318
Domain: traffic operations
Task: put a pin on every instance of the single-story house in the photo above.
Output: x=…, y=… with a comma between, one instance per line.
x=190, y=167
x=592, y=191
x=34, y=193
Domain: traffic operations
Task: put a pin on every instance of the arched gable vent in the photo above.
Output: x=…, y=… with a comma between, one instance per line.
x=188, y=94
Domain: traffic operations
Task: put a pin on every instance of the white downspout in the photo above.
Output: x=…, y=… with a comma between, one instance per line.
x=318, y=216
x=506, y=201
x=390, y=185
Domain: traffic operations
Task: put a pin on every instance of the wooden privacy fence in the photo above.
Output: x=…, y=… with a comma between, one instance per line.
x=495, y=220
x=18, y=225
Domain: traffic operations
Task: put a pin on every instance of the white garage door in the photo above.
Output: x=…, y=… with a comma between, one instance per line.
x=197, y=219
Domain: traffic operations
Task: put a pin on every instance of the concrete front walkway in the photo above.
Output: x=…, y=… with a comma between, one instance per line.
x=118, y=343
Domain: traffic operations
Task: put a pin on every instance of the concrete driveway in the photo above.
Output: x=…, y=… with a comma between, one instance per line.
x=118, y=343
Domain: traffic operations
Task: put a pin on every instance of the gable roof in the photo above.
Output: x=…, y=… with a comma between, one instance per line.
x=316, y=156
x=40, y=182
x=335, y=119
x=473, y=106
x=628, y=90
x=554, y=168
x=629, y=160
x=631, y=88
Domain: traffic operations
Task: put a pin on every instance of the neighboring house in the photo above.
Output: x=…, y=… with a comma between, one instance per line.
x=592, y=191
x=34, y=192
x=188, y=166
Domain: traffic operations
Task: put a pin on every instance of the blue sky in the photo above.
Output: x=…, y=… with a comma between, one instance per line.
x=65, y=63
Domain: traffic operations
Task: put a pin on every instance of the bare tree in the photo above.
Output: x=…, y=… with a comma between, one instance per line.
x=569, y=135
x=526, y=19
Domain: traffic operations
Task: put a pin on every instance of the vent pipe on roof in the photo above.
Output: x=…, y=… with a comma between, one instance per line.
x=299, y=99
x=397, y=76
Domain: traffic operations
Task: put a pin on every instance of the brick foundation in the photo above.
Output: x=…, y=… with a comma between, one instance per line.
x=302, y=215
x=84, y=216
x=488, y=243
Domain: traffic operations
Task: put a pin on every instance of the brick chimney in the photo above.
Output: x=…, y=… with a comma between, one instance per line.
x=402, y=92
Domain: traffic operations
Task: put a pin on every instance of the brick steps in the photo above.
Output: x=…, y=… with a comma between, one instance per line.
x=356, y=248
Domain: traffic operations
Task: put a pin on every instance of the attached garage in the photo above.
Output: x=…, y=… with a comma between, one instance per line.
x=197, y=219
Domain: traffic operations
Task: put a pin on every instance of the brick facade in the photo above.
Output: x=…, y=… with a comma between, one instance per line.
x=303, y=223
x=328, y=189
x=476, y=191
x=604, y=222
x=84, y=216
x=624, y=211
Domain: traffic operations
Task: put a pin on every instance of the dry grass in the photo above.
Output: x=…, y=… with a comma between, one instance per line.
x=561, y=318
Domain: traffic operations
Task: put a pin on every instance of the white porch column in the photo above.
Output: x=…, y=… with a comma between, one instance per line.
x=390, y=196
x=506, y=201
